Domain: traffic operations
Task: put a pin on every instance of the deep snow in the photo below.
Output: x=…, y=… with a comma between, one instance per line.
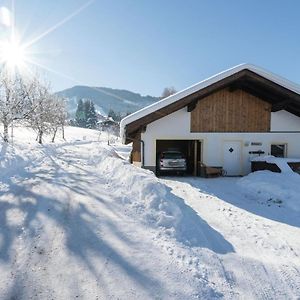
x=78, y=221
x=270, y=187
x=265, y=235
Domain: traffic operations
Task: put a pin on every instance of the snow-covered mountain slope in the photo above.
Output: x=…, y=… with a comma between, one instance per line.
x=78, y=221
x=121, y=101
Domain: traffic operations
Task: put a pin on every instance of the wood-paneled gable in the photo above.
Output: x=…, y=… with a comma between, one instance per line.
x=264, y=89
x=231, y=111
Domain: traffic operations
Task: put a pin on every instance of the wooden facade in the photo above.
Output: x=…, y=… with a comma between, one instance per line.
x=136, y=149
x=280, y=98
x=231, y=110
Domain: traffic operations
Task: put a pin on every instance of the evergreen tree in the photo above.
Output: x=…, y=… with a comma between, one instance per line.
x=112, y=114
x=86, y=115
x=116, y=116
x=91, y=115
x=86, y=109
x=80, y=117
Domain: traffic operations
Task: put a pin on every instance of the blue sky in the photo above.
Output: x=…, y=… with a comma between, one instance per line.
x=145, y=46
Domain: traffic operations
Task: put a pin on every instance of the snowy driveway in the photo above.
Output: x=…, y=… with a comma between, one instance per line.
x=77, y=222
x=64, y=233
x=265, y=236
x=74, y=225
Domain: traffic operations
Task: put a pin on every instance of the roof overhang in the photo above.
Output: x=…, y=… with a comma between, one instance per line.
x=281, y=93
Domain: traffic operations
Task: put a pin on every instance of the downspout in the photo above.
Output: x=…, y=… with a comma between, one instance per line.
x=142, y=153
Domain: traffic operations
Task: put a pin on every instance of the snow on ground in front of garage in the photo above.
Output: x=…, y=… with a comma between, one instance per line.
x=78, y=221
x=274, y=188
x=263, y=231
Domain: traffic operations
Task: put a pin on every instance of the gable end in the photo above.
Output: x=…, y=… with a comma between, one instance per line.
x=231, y=111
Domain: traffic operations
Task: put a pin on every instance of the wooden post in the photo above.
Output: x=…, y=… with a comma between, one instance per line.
x=195, y=158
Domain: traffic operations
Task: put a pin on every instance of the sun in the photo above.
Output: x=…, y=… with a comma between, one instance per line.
x=21, y=58
x=12, y=54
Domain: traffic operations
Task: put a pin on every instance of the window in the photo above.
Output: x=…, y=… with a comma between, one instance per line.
x=278, y=150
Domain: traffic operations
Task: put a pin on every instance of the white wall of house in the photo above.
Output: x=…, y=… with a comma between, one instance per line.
x=284, y=121
x=177, y=126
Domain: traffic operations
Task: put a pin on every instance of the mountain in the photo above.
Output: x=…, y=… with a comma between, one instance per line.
x=121, y=101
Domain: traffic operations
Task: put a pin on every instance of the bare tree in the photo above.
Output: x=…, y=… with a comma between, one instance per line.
x=14, y=103
x=168, y=91
x=30, y=100
x=59, y=116
x=63, y=115
x=43, y=109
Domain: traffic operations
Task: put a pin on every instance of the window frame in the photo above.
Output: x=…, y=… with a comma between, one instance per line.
x=280, y=144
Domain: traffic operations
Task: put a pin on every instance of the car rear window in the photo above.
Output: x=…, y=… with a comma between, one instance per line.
x=171, y=155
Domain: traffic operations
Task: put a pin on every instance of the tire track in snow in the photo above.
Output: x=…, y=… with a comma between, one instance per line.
x=291, y=277
x=264, y=289
x=31, y=265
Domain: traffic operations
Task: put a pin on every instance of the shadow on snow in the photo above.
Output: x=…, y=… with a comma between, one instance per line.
x=227, y=190
x=24, y=188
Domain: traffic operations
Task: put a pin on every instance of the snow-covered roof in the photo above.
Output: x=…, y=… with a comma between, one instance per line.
x=201, y=85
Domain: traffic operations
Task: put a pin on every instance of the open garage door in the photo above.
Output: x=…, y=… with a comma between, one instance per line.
x=190, y=148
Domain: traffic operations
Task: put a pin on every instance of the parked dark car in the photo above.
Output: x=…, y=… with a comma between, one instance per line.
x=171, y=161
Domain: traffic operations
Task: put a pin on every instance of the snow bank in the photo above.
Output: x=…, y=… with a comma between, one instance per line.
x=279, y=188
x=155, y=204
x=145, y=193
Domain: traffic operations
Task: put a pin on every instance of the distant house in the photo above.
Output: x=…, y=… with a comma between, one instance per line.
x=223, y=121
x=109, y=125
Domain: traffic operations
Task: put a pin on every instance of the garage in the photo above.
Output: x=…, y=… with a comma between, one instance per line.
x=191, y=150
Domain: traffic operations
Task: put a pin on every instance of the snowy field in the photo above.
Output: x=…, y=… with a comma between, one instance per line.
x=77, y=221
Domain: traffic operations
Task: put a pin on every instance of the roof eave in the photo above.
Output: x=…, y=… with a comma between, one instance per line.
x=202, y=85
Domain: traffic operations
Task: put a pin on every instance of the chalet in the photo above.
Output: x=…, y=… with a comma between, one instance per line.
x=223, y=121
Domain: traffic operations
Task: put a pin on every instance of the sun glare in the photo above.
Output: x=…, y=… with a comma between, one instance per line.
x=12, y=54
x=19, y=57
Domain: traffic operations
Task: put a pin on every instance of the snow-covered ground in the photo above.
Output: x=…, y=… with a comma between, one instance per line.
x=263, y=261
x=78, y=221
x=270, y=188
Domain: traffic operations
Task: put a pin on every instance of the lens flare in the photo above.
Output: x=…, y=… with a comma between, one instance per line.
x=12, y=54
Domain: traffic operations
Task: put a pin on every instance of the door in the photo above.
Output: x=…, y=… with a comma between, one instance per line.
x=232, y=154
